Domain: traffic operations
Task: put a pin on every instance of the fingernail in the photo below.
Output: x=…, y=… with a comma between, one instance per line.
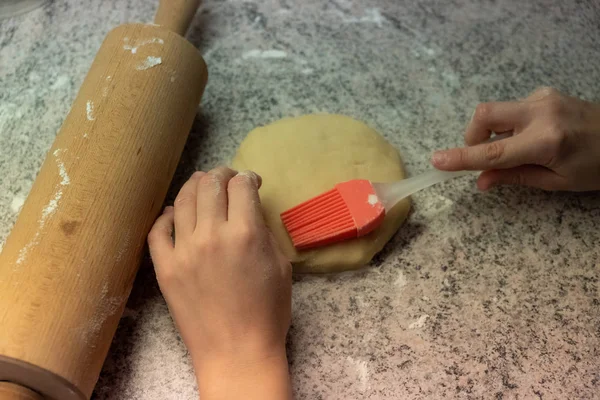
x=439, y=159
x=490, y=186
x=197, y=174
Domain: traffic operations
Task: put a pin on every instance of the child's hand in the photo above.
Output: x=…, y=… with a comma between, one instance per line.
x=556, y=143
x=227, y=285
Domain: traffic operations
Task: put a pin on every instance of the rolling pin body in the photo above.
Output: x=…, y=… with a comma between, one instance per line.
x=68, y=266
x=13, y=391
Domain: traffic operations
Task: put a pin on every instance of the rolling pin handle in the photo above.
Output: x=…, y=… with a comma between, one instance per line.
x=176, y=15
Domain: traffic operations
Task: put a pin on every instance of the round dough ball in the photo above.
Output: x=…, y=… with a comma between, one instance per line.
x=299, y=158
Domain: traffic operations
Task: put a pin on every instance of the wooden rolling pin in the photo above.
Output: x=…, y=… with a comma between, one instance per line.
x=69, y=263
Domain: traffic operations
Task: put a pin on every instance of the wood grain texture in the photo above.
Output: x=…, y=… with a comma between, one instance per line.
x=68, y=266
x=12, y=391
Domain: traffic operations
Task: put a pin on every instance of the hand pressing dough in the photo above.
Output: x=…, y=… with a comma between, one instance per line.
x=299, y=158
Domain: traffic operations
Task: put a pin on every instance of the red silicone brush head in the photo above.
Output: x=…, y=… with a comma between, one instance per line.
x=349, y=210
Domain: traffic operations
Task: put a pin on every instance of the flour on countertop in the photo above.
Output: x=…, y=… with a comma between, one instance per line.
x=419, y=323
x=400, y=280
x=264, y=54
x=60, y=82
x=372, y=15
x=362, y=371
x=17, y=203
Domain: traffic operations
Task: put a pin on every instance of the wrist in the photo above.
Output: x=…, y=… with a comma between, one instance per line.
x=248, y=375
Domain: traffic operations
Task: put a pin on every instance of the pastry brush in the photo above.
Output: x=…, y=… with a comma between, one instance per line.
x=354, y=208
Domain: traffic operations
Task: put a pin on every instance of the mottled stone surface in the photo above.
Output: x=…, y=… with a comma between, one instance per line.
x=492, y=296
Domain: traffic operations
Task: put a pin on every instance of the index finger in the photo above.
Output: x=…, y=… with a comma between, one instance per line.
x=506, y=153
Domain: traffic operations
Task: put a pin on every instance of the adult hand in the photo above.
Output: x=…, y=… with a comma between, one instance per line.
x=555, y=143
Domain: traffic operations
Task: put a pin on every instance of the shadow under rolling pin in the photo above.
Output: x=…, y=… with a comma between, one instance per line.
x=68, y=266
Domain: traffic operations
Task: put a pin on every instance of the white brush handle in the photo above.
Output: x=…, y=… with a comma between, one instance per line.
x=391, y=193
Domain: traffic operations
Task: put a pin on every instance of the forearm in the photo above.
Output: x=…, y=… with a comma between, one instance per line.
x=239, y=378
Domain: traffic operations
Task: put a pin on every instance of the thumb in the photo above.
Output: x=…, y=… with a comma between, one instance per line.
x=526, y=175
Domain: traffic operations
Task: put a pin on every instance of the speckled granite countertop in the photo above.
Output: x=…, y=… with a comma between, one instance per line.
x=479, y=296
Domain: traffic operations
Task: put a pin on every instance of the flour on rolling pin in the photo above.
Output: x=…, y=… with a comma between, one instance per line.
x=124, y=248
x=105, y=307
x=105, y=88
x=148, y=63
x=89, y=110
x=173, y=75
x=50, y=207
x=134, y=49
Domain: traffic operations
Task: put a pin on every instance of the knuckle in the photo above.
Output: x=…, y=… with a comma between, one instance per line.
x=246, y=234
x=184, y=198
x=185, y=264
x=166, y=275
x=157, y=232
x=210, y=182
x=493, y=151
x=554, y=106
x=198, y=174
x=482, y=111
x=223, y=170
x=222, y=173
x=245, y=179
x=207, y=245
x=208, y=179
x=153, y=235
x=556, y=136
x=462, y=157
x=552, y=145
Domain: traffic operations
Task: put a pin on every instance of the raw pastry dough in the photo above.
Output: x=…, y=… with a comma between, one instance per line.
x=301, y=157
